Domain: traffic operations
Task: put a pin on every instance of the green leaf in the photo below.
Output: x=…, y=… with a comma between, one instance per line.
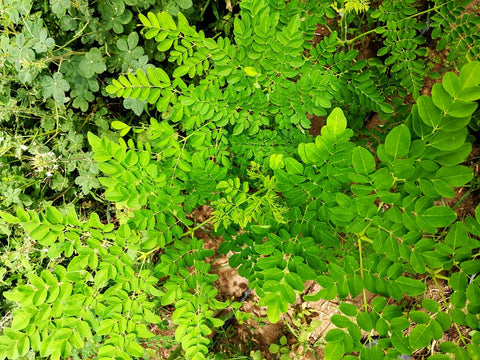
x=9, y=218
x=276, y=161
x=444, y=320
x=166, y=21
x=379, y=303
x=158, y=77
x=348, y=309
x=268, y=262
x=470, y=74
x=79, y=262
x=20, y=321
x=401, y=343
x=419, y=317
x=76, y=340
x=430, y=305
x=106, y=326
x=429, y=113
x=274, y=348
x=184, y=4
x=72, y=217
x=287, y=293
x=461, y=354
x=447, y=346
x=106, y=351
x=295, y=281
x=305, y=271
x=336, y=121
x=91, y=64
x=135, y=349
x=363, y=161
x=23, y=346
x=435, y=329
x=238, y=129
x=457, y=235
x=443, y=189
x=439, y=216
x=180, y=71
x=411, y=287
x=470, y=267
x=420, y=337
x=473, y=294
x=59, y=7
x=448, y=140
x=454, y=157
x=417, y=262
x=273, y=313
x=365, y=321
x=334, y=351
x=119, y=125
x=293, y=167
x=452, y=84
x=53, y=215
x=163, y=45
x=397, y=142
x=461, y=108
x=441, y=98
x=251, y=71
x=84, y=329
x=55, y=86
x=457, y=175
x=340, y=321
x=450, y=123
x=470, y=94
x=142, y=331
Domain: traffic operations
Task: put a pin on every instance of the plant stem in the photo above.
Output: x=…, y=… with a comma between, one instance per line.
x=174, y=354
x=459, y=202
x=362, y=35
x=204, y=9
x=88, y=117
x=63, y=192
x=384, y=27
x=360, y=254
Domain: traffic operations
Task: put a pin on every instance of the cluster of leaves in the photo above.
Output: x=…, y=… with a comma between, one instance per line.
x=266, y=57
x=54, y=58
x=100, y=291
x=408, y=29
x=232, y=133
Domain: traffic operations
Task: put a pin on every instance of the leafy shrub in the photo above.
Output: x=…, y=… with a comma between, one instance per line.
x=233, y=135
x=55, y=56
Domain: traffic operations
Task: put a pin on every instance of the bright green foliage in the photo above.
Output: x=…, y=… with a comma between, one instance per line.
x=401, y=43
x=231, y=133
x=55, y=55
x=99, y=294
x=247, y=85
x=338, y=198
x=357, y=5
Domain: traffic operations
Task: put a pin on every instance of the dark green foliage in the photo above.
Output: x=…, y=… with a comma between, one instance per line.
x=455, y=30
x=402, y=43
x=54, y=57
